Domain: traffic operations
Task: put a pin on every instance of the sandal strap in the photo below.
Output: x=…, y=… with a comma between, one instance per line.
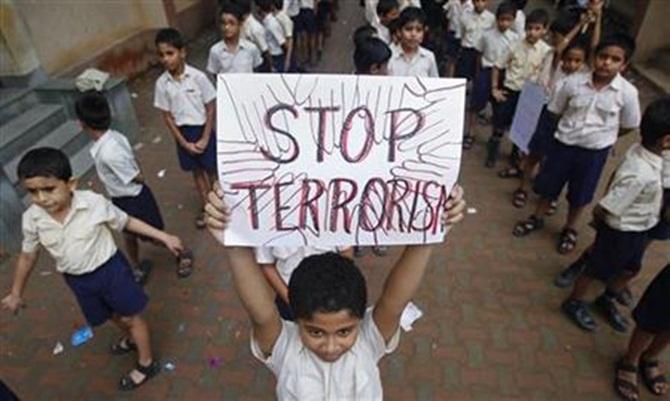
x=146, y=370
x=626, y=367
x=648, y=363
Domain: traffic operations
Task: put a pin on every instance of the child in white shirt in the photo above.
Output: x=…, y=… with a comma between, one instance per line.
x=409, y=58
x=274, y=34
x=232, y=53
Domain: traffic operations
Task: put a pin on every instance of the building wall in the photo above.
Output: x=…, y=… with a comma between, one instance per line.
x=654, y=31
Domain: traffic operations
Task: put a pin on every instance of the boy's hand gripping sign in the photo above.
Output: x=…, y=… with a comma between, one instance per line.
x=337, y=159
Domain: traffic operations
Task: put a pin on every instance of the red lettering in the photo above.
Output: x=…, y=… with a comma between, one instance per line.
x=369, y=134
x=394, y=137
x=321, y=136
x=366, y=204
x=310, y=203
x=253, y=199
x=337, y=203
x=393, y=204
x=268, y=123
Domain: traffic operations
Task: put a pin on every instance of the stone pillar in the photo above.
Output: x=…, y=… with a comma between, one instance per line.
x=19, y=64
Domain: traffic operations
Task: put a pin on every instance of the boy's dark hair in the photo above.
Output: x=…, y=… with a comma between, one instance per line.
x=506, y=8
x=44, y=162
x=92, y=109
x=538, y=16
x=369, y=52
x=228, y=7
x=171, y=37
x=386, y=6
x=245, y=6
x=364, y=32
x=622, y=40
x=580, y=44
x=411, y=14
x=327, y=283
x=520, y=4
x=265, y=6
x=655, y=121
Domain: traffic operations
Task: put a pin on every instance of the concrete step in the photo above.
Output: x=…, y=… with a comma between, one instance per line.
x=14, y=101
x=67, y=137
x=29, y=127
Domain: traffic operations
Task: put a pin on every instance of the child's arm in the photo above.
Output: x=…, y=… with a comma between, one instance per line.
x=139, y=227
x=288, y=50
x=497, y=93
x=274, y=279
x=24, y=266
x=560, y=47
x=201, y=144
x=256, y=297
x=174, y=130
x=597, y=8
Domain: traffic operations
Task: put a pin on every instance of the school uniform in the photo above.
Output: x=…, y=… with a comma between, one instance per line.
x=85, y=253
x=185, y=99
x=286, y=23
x=422, y=64
x=473, y=25
x=662, y=230
x=493, y=45
x=254, y=32
x=519, y=25
x=633, y=205
x=302, y=375
x=588, y=127
x=523, y=62
x=371, y=8
x=286, y=259
x=454, y=9
x=652, y=313
x=117, y=169
x=244, y=59
x=306, y=20
x=274, y=35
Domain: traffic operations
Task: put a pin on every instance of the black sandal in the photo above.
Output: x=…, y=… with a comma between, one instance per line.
x=127, y=383
x=468, y=141
x=649, y=381
x=122, y=347
x=185, y=263
x=567, y=241
x=519, y=198
x=625, y=389
x=510, y=172
x=527, y=226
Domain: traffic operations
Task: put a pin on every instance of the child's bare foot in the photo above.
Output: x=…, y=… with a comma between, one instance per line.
x=625, y=381
x=653, y=377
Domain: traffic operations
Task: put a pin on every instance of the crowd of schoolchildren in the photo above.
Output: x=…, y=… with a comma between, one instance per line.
x=308, y=306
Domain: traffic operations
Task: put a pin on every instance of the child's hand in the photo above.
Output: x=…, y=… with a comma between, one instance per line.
x=12, y=303
x=174, y=244
x=216, y=211
x=499, y=95
x=455, y=207
x=201, y=145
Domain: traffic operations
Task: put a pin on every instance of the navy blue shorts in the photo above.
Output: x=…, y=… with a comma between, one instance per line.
x=541, y=142
x=615, y=253
x=278, y=63
x=107, y=291
x=580, y=168
x=453, y=45
x=306, y=21
x=481, y=90
x=652, y=313
x=323, y=11
x=466, y=67
x=205, y=161
x=142, y=207
x=661, y=232
x=503, y=112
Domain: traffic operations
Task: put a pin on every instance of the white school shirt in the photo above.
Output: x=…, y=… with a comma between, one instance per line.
x=116, y=165
x=287, y=258
x=524, y=62
x=591, y=119
x=286, y=23
x=307, y=4
x=371, y=8
x=666, y=169
x=291, y=7
x=303, y=376
x=244, y=59
x=274, y=35
x=454, y=10
x=185, y=98
x=83, y=242
x=519, y=25
x=473, y=24
x=495, y=45
x=254, y=32
x=422, y=63
x=635, y=194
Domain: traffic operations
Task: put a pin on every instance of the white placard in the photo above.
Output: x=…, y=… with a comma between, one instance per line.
x=532, y=99
x=337, y=159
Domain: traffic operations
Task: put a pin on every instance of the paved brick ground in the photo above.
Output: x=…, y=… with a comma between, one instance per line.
x=492, y=329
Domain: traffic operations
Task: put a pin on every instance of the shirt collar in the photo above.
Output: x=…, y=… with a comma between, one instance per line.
x=615, y=84
x=187, y=73
x=106, y=137
x=654, y=160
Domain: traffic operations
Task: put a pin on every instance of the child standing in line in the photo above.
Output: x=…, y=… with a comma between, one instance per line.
x=594, y=109
x=75, y=228
x=453, y=10
x=287, y=27
x=306, y=31
x=232, y=53
x=409, y=57
x=494, y=44
x=520, y=17
x=473, y=24
x=387, y=11
x=254, y=32
x=523, y=62
x=120, y=173
x=274, y=34
x=623, y=218
x=185, y=97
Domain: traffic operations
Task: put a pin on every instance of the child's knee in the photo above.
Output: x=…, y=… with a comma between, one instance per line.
x=132, y=321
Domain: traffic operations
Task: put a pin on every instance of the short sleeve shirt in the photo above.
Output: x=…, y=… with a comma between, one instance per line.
x=473, y=24
x=303, y=376
x=635, y=195
x=454, y=10
x=286, y=24
x=254, y=32
x=274, y=35
x=495, y=45
x=519, y=25
x=83, y=242
x=592, y=118
x=524, y=62
x=185, y=98
x=291, y=7
x=422, y=64
x=286, y=259
x=243, y=60
x=116, y=165
x=666, y=169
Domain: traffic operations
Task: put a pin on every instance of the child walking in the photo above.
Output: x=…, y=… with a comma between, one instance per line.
x=232, y=53
x=75, y=228
x=409, y=57
x=185, y=97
